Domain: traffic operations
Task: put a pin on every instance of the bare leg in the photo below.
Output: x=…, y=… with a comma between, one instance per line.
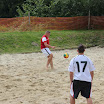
x=89, y=101
x=72, y=100
x=51, y=63
x=49, y=60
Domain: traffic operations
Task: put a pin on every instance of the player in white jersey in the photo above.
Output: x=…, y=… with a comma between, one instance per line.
x=81, y=71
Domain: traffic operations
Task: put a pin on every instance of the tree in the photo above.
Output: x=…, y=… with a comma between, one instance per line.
x=97, y=7
x=8, y=7
x=61, y=8
x=53, y=8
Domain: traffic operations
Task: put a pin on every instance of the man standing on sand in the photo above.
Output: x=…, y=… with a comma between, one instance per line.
x=45, y=48
x=81, y=71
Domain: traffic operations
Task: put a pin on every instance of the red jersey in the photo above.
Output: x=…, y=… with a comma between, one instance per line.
x=44, y=39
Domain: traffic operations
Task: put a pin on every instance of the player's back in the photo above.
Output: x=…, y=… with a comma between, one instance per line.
x=82, y=66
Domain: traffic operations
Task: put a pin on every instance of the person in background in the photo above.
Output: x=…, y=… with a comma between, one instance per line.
x=45, y=49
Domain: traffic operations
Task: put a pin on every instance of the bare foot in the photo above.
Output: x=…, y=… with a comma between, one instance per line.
x=47, y=68
x=52, y=68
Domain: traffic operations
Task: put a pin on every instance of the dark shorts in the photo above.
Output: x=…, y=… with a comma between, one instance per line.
x=83, y=87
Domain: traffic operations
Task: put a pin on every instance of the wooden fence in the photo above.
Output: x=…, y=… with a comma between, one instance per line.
x=53, y=23
x=97, y=22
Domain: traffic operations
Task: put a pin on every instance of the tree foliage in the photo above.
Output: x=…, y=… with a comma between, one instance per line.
x=51, y=8
x=62, y=8
x=8, y=7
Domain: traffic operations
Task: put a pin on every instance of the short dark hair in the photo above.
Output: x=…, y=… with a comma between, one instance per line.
x=48, y=32
x=81, y=48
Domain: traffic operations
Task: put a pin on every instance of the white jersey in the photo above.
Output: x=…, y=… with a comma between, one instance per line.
x=81, y=66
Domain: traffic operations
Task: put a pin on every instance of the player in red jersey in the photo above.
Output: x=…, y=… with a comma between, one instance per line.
x=45, y=48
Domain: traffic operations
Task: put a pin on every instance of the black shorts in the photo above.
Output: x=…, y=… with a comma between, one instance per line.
x=83, y=87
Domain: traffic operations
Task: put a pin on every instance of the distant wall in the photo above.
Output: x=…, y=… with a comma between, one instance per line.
x=53, y=23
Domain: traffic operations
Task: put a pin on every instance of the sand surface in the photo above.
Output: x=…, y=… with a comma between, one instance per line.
x=24, y=80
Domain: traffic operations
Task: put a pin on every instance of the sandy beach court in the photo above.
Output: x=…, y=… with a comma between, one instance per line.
x=24, y=80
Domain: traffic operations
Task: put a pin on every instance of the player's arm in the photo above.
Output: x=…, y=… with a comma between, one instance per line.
x=71, y=70
x=49, y=46
x=92, y=68
x=92, y=74
x=71, y=77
